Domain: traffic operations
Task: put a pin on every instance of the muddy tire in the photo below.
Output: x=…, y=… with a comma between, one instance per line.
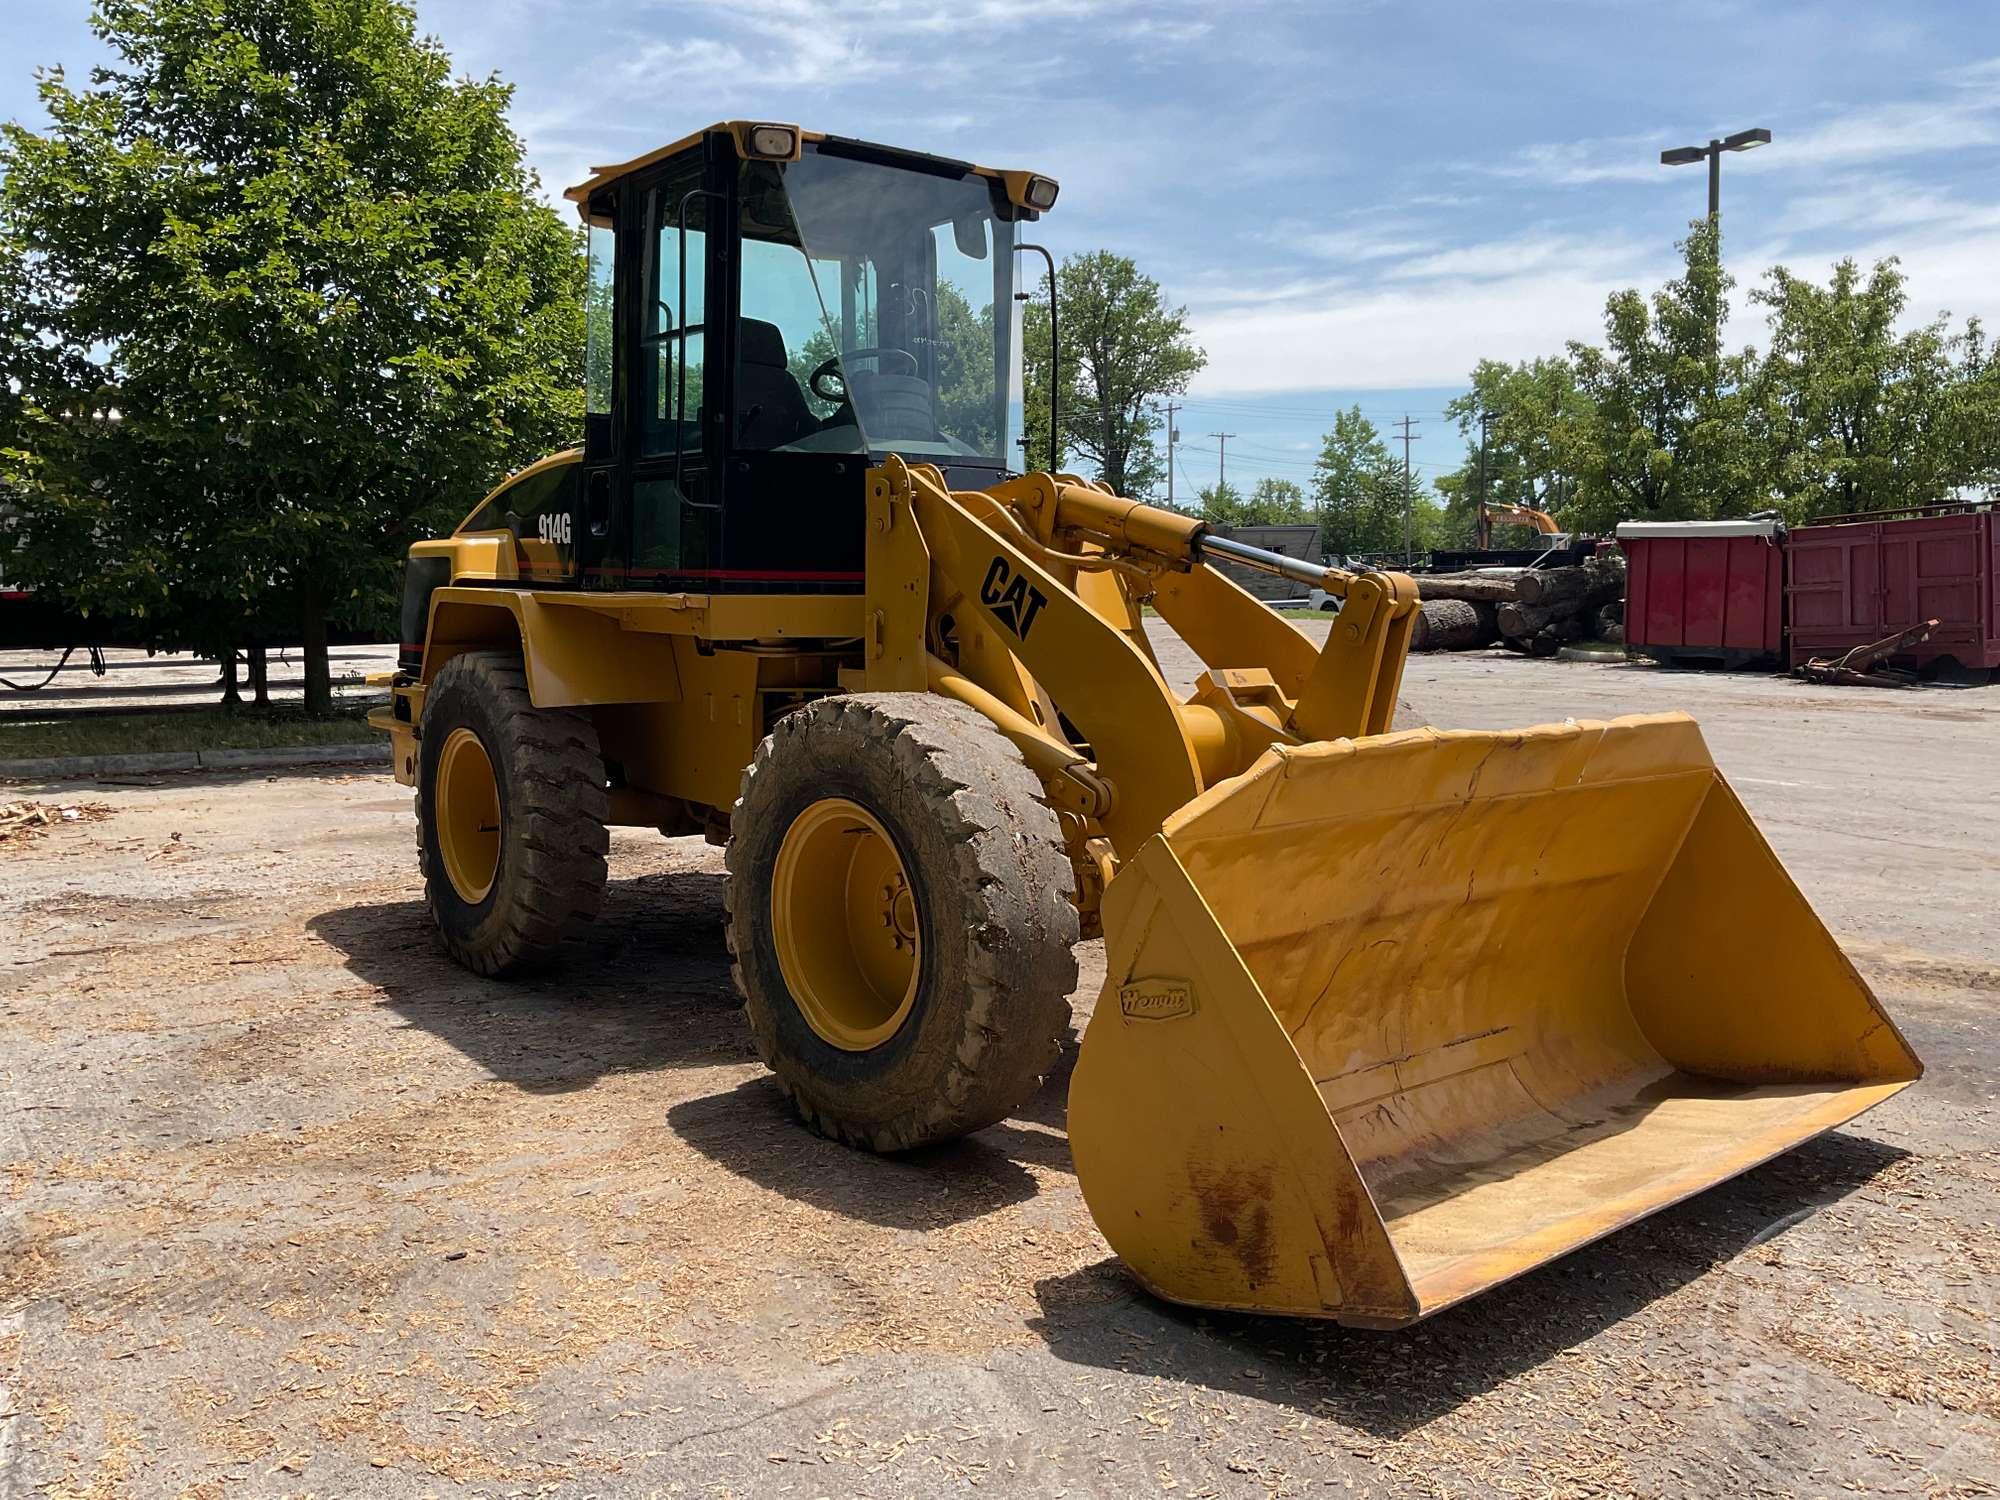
x=511, y=807
x=894, y=1024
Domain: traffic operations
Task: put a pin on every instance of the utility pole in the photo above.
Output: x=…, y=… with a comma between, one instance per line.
x=1409, y=491
x=1173, y=436
x=1485, y=527
x=1221, y=459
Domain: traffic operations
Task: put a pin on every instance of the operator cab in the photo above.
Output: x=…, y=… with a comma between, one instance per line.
x=771, y=312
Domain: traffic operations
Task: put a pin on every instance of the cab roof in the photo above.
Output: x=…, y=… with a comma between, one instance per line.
x=738, y=131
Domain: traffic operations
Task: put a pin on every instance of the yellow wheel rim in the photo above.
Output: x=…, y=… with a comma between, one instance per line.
x=844, y=921
x=468, y=816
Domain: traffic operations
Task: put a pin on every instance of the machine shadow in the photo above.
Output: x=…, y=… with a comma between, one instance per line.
x=753, y=1131
x=652, y=989
x=1390, y=1383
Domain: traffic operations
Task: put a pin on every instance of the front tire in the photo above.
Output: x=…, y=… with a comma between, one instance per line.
x=902, y=917
x=511, y=809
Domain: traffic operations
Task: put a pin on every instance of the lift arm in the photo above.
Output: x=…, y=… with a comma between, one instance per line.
x=1014, y=564
x=1351, y=687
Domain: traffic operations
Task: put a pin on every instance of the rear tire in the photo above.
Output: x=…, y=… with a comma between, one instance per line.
x=854, y=803
x=511, y=809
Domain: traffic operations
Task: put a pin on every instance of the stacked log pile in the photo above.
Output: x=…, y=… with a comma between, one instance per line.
x=1535, y=611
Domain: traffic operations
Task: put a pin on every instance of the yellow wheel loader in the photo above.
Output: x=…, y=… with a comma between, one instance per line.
x=791, y=593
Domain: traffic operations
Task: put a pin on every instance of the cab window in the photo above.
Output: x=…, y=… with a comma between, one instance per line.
x=672, y=312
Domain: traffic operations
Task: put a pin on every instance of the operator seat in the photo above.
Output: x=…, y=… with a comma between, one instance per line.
x=771, y=409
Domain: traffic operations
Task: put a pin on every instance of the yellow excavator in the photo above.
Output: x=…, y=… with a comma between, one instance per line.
x=792, y=593
x=1540, y=521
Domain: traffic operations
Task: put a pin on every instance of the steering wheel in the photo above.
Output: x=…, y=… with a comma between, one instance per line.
x=829, y=369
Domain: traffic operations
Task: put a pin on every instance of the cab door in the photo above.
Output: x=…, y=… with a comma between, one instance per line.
x=671, y=515
x=606, y=391
x=648, y=512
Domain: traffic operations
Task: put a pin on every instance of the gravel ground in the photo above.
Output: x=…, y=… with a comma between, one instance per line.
x=290, y=1206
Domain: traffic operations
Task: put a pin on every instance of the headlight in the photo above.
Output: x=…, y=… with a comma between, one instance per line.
x=1041, y=193
x=773, y=142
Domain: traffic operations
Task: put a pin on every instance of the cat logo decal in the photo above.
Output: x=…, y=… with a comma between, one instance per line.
x=1013, y=600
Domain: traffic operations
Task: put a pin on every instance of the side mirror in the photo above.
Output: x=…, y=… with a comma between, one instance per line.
x=969, y=234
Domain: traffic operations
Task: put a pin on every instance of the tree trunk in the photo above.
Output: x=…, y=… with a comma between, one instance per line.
x=1526, y=620
x=319, y=677
x=260, y=676
x=1553, y=585
x=1607, y=580
x=1452, y=625
x=1474, y=588
x=230, y=697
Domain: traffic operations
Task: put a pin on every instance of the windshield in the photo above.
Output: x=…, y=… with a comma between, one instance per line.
x=877, y=313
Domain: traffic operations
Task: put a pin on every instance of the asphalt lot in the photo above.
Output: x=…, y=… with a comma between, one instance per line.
x=135, y=681
x=290, y=1206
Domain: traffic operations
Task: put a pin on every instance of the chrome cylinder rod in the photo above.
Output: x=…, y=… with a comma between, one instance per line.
x=1297, y=569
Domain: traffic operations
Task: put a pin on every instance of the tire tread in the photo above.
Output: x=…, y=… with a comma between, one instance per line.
x=1012, y=868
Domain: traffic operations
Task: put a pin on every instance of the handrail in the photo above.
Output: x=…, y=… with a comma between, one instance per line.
x=1902, y=512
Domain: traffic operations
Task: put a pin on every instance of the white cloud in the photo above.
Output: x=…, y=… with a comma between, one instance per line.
x=1882, y=203
x=1510, y=258
x=1165, y=32
x=1428, y=323
x=1395, y=337
x=1376, y=241
x=1884, y=132
x=1962, y=112
x=1625, y=158
x=1338, y=292
x=1423, y=322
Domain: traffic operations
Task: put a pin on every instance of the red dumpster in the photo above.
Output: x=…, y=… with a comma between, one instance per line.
x=1863, y=579
x=1704, y=591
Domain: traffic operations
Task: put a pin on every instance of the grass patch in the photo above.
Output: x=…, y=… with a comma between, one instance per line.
x=24, y=738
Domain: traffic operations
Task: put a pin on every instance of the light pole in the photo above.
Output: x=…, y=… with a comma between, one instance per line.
x=1687, y=156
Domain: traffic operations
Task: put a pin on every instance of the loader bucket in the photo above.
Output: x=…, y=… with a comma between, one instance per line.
x=1389, y=1021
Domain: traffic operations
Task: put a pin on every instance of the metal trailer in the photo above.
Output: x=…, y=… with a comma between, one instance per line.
x=1705, y=592
x=1859, y=579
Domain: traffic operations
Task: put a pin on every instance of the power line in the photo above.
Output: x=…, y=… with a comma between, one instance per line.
x=1257, y=461
x=1221, y=459
x=1273, y=452
x=1250, y=408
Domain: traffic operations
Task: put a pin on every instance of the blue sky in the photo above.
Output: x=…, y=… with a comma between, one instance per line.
x=1355, y=200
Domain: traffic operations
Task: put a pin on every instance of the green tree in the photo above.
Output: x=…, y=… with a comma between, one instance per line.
x=1221, y=504
x=1358, y=489
x=966, y=408
x=1535, y=421
x=1276, y=502
x=1850, y=408
x=1661, y=408
x=1123, y=348
x=1852, y=411
x=308, y=306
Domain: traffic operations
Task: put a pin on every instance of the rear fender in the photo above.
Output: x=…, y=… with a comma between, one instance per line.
x=575, y=655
